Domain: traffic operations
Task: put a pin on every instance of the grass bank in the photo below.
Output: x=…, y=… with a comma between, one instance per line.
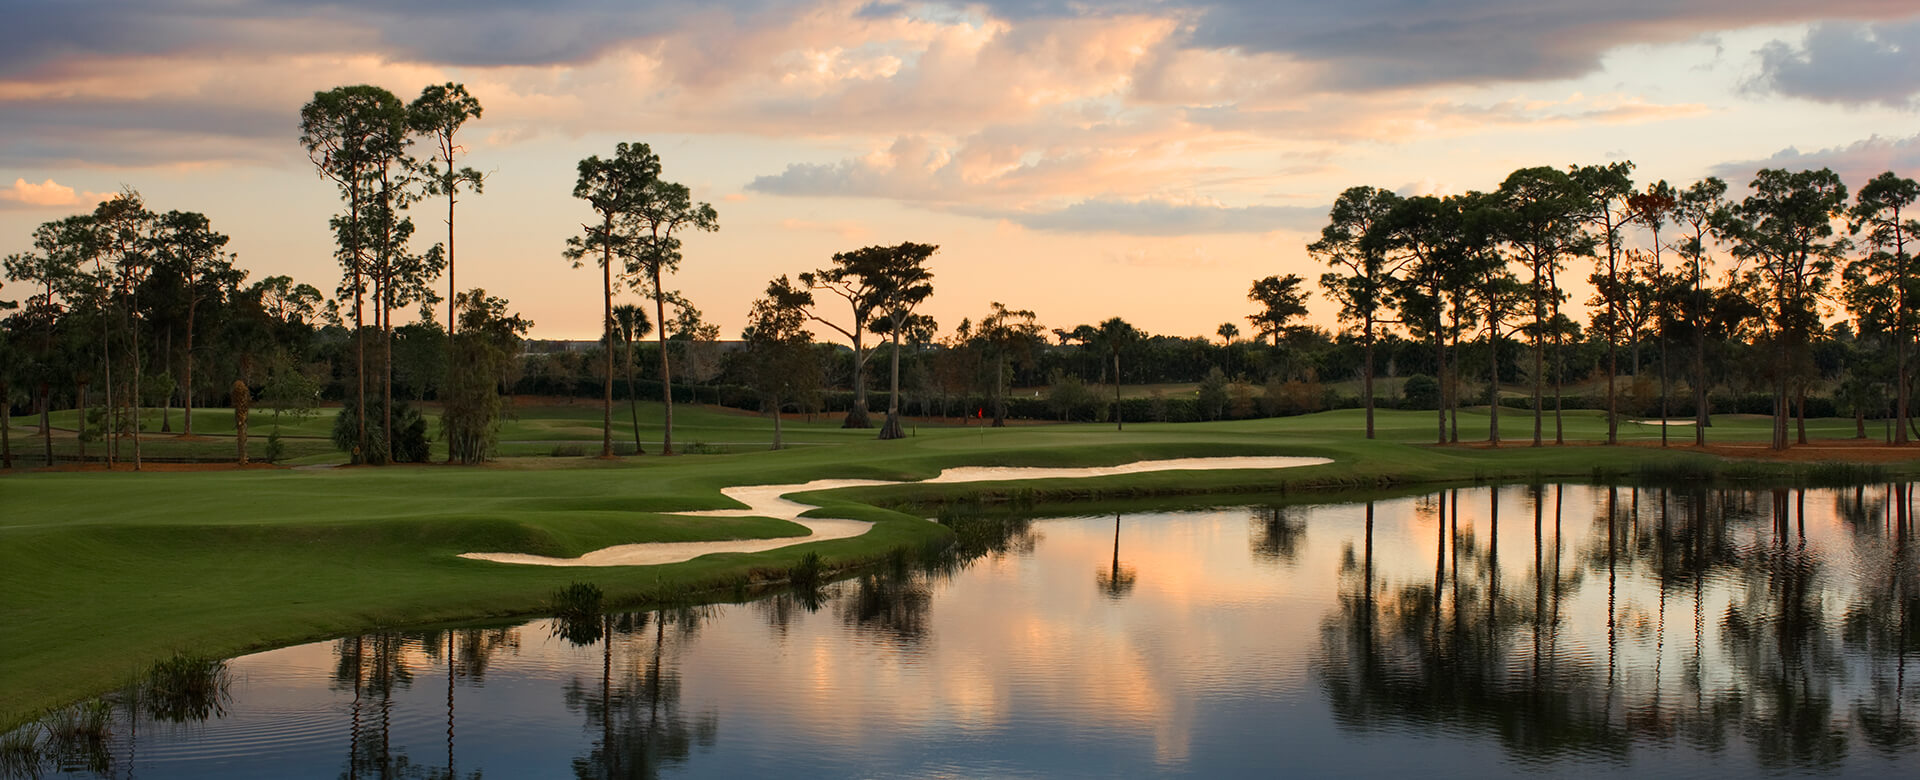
x=106, y=573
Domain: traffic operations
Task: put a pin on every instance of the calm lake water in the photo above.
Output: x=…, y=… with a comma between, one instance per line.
x=1517, y=631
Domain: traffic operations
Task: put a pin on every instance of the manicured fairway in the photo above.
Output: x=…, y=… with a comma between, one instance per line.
x=104, y=573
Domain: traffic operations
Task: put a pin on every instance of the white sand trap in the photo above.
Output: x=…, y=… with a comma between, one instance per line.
x=770, y=501
x=1664, y=422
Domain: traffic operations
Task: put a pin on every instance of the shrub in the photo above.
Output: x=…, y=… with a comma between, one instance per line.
x=1420, y=392
x=1211, y=397
x=186, y=688
x=809, y=573
x=1240, y=398
x=576, y=610
x=409, y=433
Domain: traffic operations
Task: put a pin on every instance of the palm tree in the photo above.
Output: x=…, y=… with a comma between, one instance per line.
x=1227, y=332
x=1115, y=335
x=630, y=324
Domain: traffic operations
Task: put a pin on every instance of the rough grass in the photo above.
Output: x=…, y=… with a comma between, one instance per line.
x=107, y=573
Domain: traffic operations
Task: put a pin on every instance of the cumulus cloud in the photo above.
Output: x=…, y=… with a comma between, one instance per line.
x=913, y=168
x=447, y=32
x=1038, y=178
x=1150, y=217
x=1375, y=44
x=1019, y=164
x=1361, y=44
x=200, y=82
x=1856, y=163
x=46, y=195
x=1846, y=63
x=813, y=69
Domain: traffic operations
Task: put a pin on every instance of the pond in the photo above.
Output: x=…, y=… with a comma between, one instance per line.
x=1513, y=631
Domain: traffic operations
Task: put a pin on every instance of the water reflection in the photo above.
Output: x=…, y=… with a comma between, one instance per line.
x=635, y=715
x=1719, y=631
x=1276, y=533
x=1116, y=581
x=1565, y=630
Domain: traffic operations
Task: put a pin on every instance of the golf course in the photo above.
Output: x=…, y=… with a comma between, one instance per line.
x=109, y=572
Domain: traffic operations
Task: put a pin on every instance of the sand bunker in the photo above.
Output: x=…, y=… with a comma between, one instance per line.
x=770, y=501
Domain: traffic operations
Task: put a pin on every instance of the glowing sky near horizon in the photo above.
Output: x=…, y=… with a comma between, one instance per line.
x=1138, y=159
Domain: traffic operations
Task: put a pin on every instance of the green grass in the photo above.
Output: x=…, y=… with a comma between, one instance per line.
x=533, y=430
x=107, y=573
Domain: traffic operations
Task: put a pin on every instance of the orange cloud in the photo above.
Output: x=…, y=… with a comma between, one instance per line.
x=46, y=194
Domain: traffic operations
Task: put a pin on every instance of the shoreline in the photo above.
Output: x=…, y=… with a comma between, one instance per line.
x=113, y=573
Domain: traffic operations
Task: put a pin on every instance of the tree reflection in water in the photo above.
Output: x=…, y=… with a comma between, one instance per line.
x=1763, y=660
x=635, y=711
x=894, y=602
x=1277, y=533
x=1116, y=581
x=375, y=667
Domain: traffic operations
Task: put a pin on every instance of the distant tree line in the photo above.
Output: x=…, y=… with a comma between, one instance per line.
x=1709, y=278
x=1699, y=303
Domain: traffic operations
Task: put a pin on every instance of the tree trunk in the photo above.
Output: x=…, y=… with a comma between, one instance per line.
x=1559, y=365
x=1780, y=399
x=1366, y=374
x=1800, y=414
x=666, y=379
x=6, y=425
x=1440, y=371
x=46, y=429
x=386, y=335
x=1539, y=357
x=186, y=368
x=857, y=416
x=453, y=295
x=359, y=326
x=242, y=400
x=1700, y=411
x=133, y=335
x=1666, y=415
x=1900, y=381
x=1613, y=394
x=606, y=300
x=453, y=290
x=891, y=429
x=1118, y=425
x=1000, y=393
x=1493, y=383
x=633, y=403
x=80, y=427
x=1453, y=389
x=1613, y=358
x=1860, y=423
x=111, y=430
x=166, y=401
x=777, y=444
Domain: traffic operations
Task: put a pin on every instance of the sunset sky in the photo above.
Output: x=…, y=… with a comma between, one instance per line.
x=1083, y=160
